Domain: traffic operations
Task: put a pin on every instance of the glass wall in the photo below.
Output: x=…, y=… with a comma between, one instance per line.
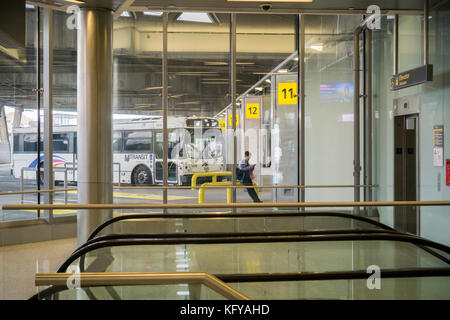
x=266, y=54
x=18, y=113
x=64, y=108
x=199, y=88
x=137, y=104
x=329, y=116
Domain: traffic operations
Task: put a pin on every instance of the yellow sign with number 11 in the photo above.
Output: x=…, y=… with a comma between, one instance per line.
x=230, y=120
x=287, y=93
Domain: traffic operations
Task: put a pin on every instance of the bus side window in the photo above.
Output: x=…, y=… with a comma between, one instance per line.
x=17, y=143
x=75, y=143
x=30, y=143
x=60, y=142
x=138, y=141
x=117, y=141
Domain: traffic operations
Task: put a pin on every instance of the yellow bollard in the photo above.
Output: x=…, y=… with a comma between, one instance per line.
x=201, y=195
x=229, y=195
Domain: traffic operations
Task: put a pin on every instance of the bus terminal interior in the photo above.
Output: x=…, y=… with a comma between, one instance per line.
x=124, y=127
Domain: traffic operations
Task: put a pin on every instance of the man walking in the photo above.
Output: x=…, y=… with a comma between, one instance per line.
x=246, y=171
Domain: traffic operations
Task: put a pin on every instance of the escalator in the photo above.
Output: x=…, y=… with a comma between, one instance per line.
x=302, y=258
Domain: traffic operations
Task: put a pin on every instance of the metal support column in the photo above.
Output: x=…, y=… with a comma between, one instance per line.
x=356, y=118
x=301, y=101
x=233, y=101
x=95, y=161
x=38, y=91
x=368, y=114
x=395, y=44
x=425, y=32
x=165, y=106
x=48, y=107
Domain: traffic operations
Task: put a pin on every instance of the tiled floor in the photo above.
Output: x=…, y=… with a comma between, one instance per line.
x=19, y=264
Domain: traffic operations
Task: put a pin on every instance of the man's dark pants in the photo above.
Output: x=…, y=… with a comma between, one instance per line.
x=252, y=192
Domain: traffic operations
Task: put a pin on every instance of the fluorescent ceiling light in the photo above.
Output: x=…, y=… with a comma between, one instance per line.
x=390, y=17
x=190, y=102
x=259, y=89
x=195, y=17
x=76, y=1
x=215, y=63
x=125, y=14
x=29, y=6
x=317, y=47
x=267, y=80
x=270, y=1
x=154, y=88
x=151, y=13
x=283, y=71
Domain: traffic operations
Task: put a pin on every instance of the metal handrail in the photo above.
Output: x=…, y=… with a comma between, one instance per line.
x=304, y=276
x=141, y=278
x=308, y=238
x=197, y=187
x=138, y=206
x=22, y=170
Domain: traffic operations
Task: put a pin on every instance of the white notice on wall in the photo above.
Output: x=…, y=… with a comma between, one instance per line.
x=438, y=157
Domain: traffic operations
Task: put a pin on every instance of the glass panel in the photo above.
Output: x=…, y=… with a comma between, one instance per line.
x=329, y=111
x=261, y=257
x=137, y=103
x=199, y=88
x=18, y=109
x=138, y=292
x=435, y=288
x=266, y=46
x=214, y=225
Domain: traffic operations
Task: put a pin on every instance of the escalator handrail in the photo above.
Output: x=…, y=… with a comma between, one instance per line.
x=309, y=238
x=236, y=215
x=120, y=236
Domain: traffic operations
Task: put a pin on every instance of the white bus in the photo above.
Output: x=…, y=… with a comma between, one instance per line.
x=195, y=144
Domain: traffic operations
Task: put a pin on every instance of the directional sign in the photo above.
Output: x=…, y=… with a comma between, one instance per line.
x=412, y=77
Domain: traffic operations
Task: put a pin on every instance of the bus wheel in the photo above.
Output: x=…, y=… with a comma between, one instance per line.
x=141, y=176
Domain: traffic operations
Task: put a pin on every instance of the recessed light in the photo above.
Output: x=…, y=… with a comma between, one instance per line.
x=151, y=13
x=317, y=47
x=195, y=17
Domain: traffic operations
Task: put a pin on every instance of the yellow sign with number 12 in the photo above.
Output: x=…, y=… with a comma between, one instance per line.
x=287, y=93
x=252, y=110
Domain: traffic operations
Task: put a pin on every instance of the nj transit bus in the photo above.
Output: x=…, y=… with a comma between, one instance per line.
x=194, y=145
